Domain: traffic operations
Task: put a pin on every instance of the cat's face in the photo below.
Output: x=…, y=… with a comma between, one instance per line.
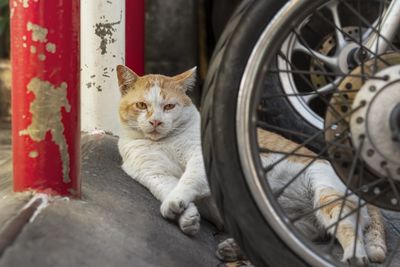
x=154, y=104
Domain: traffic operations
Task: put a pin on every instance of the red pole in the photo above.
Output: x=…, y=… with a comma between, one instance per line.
x=134, y=32
x=45, y=95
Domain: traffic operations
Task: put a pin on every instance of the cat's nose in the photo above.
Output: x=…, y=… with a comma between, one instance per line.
x=155, y=123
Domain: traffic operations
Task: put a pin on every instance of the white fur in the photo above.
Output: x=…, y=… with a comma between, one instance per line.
x=316, y=178
x=169, y=162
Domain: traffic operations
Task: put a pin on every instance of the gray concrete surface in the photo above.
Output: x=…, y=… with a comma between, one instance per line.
x=116, y=223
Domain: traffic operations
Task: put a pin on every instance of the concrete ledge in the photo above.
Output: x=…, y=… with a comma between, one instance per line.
x=117, y=223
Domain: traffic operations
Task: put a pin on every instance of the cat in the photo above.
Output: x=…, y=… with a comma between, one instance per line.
x=161, y=148
x=319, y=186
x=160, y=145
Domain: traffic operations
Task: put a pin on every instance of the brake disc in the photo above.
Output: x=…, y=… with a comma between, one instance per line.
x=358, y=123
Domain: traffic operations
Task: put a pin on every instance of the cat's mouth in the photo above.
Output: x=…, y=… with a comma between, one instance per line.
x=154, y=134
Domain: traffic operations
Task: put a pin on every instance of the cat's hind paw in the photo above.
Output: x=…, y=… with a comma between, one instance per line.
x=189, y=222
x=376, y=253
x=359, y=260
x=228, y=251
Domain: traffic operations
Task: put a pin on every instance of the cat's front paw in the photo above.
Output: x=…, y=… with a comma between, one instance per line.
x=189, y=222
x=173, y=206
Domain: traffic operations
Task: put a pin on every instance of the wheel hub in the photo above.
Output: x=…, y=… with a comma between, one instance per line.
x=328, y=47
x=373, y=121
x=362, y=123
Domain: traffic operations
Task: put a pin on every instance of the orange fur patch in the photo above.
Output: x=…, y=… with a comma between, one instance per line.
x=278, y=143
x=135, y=88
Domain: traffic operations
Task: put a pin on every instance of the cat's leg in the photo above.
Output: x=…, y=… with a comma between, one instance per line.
x=191, y=186
x=161, y=186
x=189, y=221
x=328, y=193
x=346, y=229
x=375, y=240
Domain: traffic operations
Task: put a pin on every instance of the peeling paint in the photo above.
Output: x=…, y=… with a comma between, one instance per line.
x=50, y=47
x=105, y=31
x=39, y=34
x=46, y=116
x=25, y=3
x=33, y=154
x=33, y=49
x=42, y=57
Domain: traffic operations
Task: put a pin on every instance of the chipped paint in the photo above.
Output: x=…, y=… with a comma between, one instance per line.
x=46, y=116
x=106, y=31
x=39, y=34
x=24, y=38
x=24, y=45
x=42, y=57
x=25, y=3
x=50, y=47
x=33, y=49
x=33, y=154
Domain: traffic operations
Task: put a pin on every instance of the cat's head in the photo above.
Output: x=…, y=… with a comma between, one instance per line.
x=154, y=105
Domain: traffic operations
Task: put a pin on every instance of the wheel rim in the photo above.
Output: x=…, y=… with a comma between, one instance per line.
x=273, y=40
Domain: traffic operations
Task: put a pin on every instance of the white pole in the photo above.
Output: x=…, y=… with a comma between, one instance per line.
x=102, y=49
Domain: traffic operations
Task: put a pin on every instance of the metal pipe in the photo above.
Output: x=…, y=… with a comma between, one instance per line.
x=45, y=95
x=103, y=48
x=135, y=10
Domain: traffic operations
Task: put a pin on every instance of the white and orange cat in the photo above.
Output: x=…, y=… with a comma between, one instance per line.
x=161, y=148
x=160, y=144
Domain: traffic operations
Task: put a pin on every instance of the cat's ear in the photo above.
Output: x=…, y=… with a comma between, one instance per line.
x=126, y=78
x=186, y=79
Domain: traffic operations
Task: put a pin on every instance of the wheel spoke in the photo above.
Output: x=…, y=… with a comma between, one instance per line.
x=357, y=227
x=346, y=195
x=320, y=15
x=324, y=73
x=267, y=150
x=350, y=177
x=340, y=40
x=326, y=102
x=308, y=93
x=268, y=126
x=332, y=62
x=382, y=193
x=372, y=27
x=323, y=151
x=314, y=136
x=392, y=184
x=327, y=89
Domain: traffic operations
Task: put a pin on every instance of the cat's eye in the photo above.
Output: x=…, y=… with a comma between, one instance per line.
x=141, y=105
x=169, y=106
